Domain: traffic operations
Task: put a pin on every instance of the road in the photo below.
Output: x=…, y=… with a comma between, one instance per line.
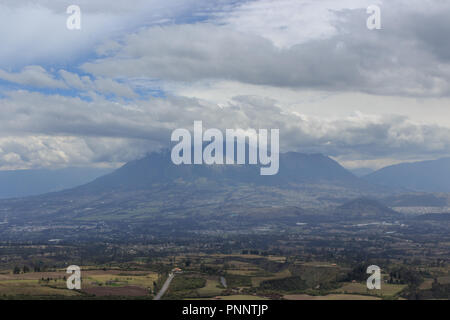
x=223, y=281
x=164, y=287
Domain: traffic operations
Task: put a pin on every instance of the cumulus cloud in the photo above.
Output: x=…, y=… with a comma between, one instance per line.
x=100, y=85
x=288, y=22
x=231, y=64
x=34, y=76
x=37, y=32
x=122, y=131
x=391, y=61
x=41, y=151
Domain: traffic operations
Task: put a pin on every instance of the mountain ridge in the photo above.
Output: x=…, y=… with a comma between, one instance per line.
x=294, y=168
x=154, y=186
x=420, y=176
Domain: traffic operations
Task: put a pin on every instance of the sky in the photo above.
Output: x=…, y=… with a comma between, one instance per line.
x=114, y=90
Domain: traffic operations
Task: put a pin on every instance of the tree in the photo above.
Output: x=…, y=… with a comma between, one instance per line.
x=16, y=270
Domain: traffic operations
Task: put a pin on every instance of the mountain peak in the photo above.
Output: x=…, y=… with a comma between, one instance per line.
x=157, y=168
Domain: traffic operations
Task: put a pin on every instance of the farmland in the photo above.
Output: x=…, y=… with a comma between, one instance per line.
x=280, y=260
x=247, y=277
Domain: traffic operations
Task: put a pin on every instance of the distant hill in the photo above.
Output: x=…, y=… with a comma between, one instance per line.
x=365, y=208
x=418, y=200
x=425, y=176
x=21, y=183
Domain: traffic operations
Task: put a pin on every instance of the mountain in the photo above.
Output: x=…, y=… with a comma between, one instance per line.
x=155, y=188
x=21, y=183
x=157, y=168
x=360, y=172
x=425, y=176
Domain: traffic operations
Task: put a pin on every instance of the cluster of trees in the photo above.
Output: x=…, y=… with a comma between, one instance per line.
x=255, y=252
x=437, y=291
x=35, y=267
x=440, y=291
x=234, y=281
x=182, y=283
x=210, y=270
x=358, y=273
x=47, y=280
x=183, y=286
x=405, y=275
x=18, y=270
x=289, y=284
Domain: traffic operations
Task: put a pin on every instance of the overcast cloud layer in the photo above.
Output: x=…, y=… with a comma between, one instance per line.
x=114, y=90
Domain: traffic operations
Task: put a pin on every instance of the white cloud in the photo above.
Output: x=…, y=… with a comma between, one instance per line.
x=41, y=151
x=34, y=31
x=122, y=131
x=100, y=85
x=353, y=59
x=106, y=85
x=288, y=22
x=309, y=68
x=34, y=76
x=73, y=80
x=322, y=104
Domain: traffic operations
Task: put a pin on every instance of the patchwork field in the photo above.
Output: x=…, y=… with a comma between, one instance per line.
x=256, y=281
x=222, y=277
x=94, y=282
x=125, y=291
x=32, y=288
x=211, y=289
x=387, y=290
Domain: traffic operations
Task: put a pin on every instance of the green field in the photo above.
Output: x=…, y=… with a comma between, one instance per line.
x=211, y=289
x=29, y=288
x=387, y=290
x=53, y=284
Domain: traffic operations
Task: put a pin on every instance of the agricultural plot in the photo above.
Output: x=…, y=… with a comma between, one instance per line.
x=33, y=288
x=145, y=280
x=256, y=281
x=94, y=283
x=387, y=290
x=211, y=289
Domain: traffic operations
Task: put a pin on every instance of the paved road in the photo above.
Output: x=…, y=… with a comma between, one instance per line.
x=223, y=281
x=164, y=287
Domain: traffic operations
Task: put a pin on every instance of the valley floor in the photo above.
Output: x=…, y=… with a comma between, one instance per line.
x=203, y=276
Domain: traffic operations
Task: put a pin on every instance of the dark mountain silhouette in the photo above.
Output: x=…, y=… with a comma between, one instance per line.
x=155, y=188
x=21, y=183
x=361, y=172
x=425, y=176
x=157, y=168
